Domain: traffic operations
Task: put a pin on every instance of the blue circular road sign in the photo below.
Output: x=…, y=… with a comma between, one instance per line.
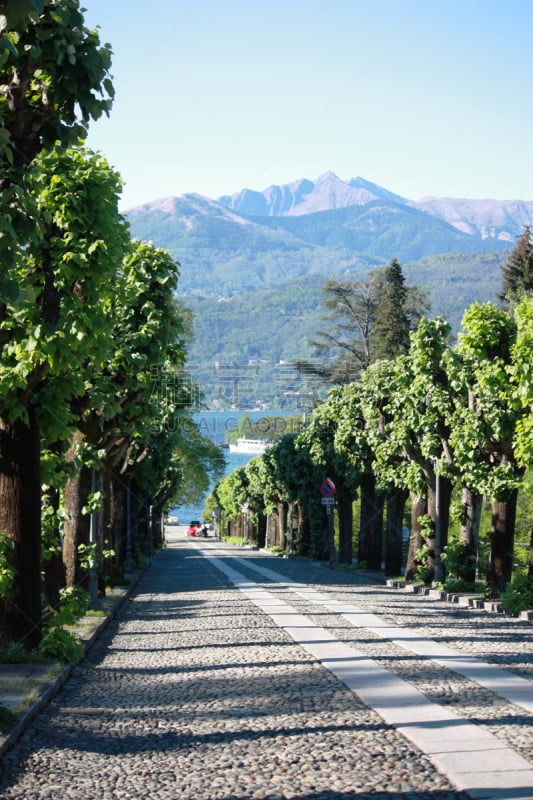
x=327, y=488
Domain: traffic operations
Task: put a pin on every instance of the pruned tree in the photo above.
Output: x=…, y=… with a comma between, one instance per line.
x=484, y=430
x=522, y=372
x=125, y=404
x=54, y=79
x=51, y=333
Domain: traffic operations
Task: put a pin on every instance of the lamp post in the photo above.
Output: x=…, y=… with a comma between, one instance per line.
x=438, y=534
x=128, y=566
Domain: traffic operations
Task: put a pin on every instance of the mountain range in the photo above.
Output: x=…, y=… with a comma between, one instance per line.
x=255, y=240
x=485, y=219
x=268, y=251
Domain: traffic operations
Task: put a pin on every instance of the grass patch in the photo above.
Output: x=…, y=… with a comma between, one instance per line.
x=237, y=540
x=15, y=653
x=275, y=550
x=22, y=686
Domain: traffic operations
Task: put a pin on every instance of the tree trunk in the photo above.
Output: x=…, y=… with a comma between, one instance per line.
x=439, y=499
x=363, y=528
x=371, y=527
x=502, y=543
x=273, y=527
x=394, y=543
x=345, y=515
x=317, y=522
x=114, y=504
x=77, y=525
x=374, y=558
x=469, y=533
x=292, y=525
x=20, y=520
x=261, y=530
x=302, y=528
x=419, y=509
x=156, y=528
x=282, y=521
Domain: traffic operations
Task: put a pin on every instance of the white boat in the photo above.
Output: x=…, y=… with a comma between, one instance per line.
x=257, y=446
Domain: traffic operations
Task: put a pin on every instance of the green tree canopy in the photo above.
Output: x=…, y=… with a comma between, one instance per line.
x=53, y=329
x=522, y=370
x=365, y=321
x=390, y=333
x=517, y=272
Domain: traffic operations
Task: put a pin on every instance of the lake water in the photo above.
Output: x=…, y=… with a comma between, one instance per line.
x=214, y=425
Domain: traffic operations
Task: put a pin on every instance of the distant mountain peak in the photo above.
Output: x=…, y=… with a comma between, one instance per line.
x=502, y=221
x=376, y=190
x=303, y=196
x=327, y=177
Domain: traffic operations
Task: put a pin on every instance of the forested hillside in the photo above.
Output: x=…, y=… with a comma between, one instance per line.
x=223, y=252
x=254, y=283
x=251, y=334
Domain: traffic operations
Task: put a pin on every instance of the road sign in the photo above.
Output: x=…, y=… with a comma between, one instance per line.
x=327, y=488
x=328, y=501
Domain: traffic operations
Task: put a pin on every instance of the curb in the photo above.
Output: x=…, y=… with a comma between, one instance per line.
x=466, y=599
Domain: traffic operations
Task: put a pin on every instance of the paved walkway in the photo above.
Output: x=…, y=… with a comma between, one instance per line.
x=232, y=674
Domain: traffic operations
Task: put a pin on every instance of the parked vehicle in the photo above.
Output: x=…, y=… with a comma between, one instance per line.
x=195, y=528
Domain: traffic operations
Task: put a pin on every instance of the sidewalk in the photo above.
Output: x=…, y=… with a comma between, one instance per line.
x=25, y=689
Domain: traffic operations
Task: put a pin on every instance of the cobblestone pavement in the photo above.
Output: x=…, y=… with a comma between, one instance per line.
x=193, y=693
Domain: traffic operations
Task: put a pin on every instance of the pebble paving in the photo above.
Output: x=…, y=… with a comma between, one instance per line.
x=193, y=693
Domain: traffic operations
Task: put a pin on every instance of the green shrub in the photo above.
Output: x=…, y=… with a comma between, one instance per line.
x=518, y=595
x=275, y=550
x=7, y=570
x=6, y=718
x=452, y=584
x=74, y=602
x=58, y=644
x=237, y=540
x=459, y=563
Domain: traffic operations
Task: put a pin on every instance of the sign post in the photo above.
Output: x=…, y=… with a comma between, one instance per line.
x=245, y=508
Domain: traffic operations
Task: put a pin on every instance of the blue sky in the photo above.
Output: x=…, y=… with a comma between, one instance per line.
x=424, y=97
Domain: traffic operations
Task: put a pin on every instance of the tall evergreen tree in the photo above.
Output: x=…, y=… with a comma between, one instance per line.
x=517, y=272
x=390, y=334
x=349, y=342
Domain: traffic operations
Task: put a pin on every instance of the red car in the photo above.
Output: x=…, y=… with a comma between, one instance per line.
x=195, y=528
